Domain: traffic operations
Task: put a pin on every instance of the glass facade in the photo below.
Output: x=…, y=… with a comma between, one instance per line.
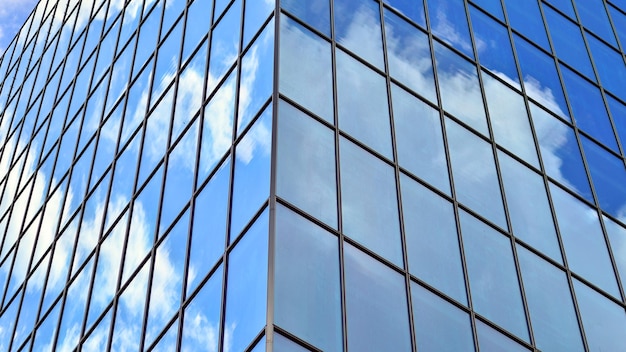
x=283, y=175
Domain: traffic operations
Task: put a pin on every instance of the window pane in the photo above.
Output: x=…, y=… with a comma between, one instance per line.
x=315, y=13
x=449, y=22
x=362, y=104
x=585, y=249
x=604, y=321
x=360, y=32
x=474, y=171
x=246, y=296
x=378, y=320
x=369, y=203
x=529, y=209
x=550, y=304
x=201, y=325
x=593, y=16
x=439, y=326
x=492, y=274
x=302, y=168
x=306, y=68
x=414, y=10
x=460, y=91
x=525, y=16
x=432, y=241
x=490, y=340
x=419, y=140
x=409, y=57
x=308, y=296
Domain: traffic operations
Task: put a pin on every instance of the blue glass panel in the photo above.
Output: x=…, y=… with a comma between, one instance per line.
x=619, y=21
x=363, y=108
x=252, y=173
x=490, y=340
x=610, y=66
x=209, y=226
x=560, y=152
x=360, y=32
x=413, y=10
x=563, y=5
x=409, y=57
x=201, y=325
x=525, y=16
x=618, y=112
x=474, y=171
x=419, y=140
x=256, y=14
x=540, y=77
x=494, y=46
x=532, y=224
x=315, y=13
x=439, y=326
x=494, y=285
x=585, y=249
x=509, y=120
x=593, y=16
x=449, y=22
x=301, y=168
x=306, y=68
x=196, y=26
x=368, y=202
x=617, y=238
x=246, y=296
x=588, y=108
x=604, y=321
x=609, y=177
x=568, y=42
x=256, y=81
x=378, y=320
x=460, y=89
x=431, y=239
x=224, y=44
x=494, y=7
x=550, y=304
x=307, y=299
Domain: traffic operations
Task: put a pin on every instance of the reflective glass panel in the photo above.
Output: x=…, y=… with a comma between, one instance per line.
x=414, y=10
x=593, y=16
x=306, y=68
x=362, y=104
x=246, y=296
x=603, y=320
x=550, y=304
x=528, y=206
x=490, y=340
x=368, y=202
x=525, y=16
x=460, y=89
x=308, y=297
x=301, y=168
x=432, y=241
x=617, y=238
x=449, y=22
x=419, y=139
x=494, y=285
x=382, y=310
x=439, y=326
x=409, y=57
x=585, y=249
x=315, y=13
x=360, y=32
x=474, y=170
x=610, y=66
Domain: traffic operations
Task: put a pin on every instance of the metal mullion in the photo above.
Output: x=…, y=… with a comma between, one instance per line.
x=271, y=243
x=341, y=237
x=455, y=203
x=405, y=256
x=509, y=229
x=589, y=178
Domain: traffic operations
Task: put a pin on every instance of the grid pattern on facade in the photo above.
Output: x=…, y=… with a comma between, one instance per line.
x=325, y=175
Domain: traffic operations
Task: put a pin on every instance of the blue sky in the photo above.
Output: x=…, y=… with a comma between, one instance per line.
x=13, y=13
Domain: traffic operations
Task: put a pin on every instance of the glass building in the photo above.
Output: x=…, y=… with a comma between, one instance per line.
x=283, y=175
